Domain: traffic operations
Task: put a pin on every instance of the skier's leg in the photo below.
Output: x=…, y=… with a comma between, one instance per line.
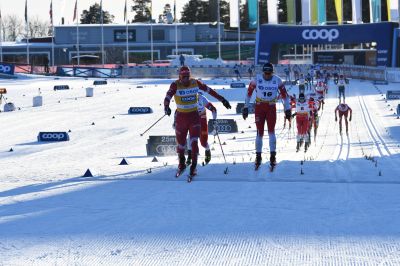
x=271, y=122
x=194, y=131
x=181, y=130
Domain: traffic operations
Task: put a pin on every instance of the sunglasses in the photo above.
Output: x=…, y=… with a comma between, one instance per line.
x=268, y=73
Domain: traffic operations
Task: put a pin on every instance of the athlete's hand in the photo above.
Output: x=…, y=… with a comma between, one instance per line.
x=245, y=112
x=226, y=103
x=335, y=119
x=167, y=110
x=288, y=114
x=214, y=115
x=350, y=118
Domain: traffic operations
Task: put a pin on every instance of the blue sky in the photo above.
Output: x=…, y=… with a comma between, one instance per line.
x=65, y=8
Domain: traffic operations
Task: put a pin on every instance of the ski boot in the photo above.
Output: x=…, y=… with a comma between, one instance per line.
x=193, y=171
x=306, y=145
x=208, y=156
x=298, y=146
x=189, y=158
x=181, y=165
x=272, y=158
x=258, y=160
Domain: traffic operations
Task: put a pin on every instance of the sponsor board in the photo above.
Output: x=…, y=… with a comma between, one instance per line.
x=238, y=85
x=7, y=69
x=390, y=95
x=100, y=82
x=223, y=125
x=161, y=146
x=140, y=110
x=240, y=106
x=53, y=136
x=61, y=87
x=380, y=82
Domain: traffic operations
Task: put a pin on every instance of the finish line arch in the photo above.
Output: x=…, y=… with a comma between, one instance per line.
x=382, y=33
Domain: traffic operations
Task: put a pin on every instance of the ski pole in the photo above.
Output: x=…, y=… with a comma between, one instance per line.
x=219, y=140
x=153, y=124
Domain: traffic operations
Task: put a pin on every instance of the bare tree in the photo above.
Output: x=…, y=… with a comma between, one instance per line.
x=12, y=27
x=38, y=28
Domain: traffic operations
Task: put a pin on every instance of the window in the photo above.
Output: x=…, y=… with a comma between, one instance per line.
x=158, y=35
x=120, y=35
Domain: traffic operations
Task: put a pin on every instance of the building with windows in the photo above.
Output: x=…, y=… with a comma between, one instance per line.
x=161, y=39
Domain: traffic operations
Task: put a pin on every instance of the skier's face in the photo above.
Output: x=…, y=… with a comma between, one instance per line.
x=267, y=75
x=185, y=79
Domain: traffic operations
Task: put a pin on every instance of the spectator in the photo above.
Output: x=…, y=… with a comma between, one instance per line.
x=182, y=59
x=46, y=65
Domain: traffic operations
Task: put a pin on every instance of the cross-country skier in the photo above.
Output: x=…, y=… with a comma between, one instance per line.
x=302, y=120
x=185, y=92
x=343, y=110
x=268, y=88
x=341, y=87
x=203, y=104
x=314, y=118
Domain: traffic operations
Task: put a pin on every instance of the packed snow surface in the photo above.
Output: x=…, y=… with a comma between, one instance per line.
x=343, y=210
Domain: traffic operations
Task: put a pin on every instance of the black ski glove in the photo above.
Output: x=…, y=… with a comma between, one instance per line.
x=226, y=103
x=288, y=114
x=167, y=110
x=245, y=112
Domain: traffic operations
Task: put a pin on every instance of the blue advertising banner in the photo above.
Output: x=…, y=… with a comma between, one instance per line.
x=7, y=68
x=381, y=33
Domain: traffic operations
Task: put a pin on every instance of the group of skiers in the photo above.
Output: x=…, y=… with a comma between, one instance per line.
x=191, y=104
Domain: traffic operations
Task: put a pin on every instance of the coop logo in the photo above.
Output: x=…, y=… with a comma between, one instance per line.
x=323, y=34
x=188, y=92
x=188, y=99
x=53, y=136
x=6, y=69
x=140, y=110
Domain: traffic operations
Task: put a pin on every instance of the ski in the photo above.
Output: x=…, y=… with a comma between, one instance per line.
x=272, y=167
x=190, y=177
x=179, y=172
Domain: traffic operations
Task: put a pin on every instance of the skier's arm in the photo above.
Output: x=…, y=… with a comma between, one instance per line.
x=170, y=93
x=213, y=93
x=212, y=108
x=336, y=111
x=351, y=113
x=250, y=90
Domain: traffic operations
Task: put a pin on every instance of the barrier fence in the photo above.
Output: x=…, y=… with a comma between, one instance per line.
x=205, y=71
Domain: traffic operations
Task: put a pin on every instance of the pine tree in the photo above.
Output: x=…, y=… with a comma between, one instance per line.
x=142, y=9
x=92, y=16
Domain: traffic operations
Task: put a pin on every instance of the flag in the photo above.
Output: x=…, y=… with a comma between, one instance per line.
x=375, y=10
x=394, y=11
x=125, y=10
x=291, y=11
x=51, y=12
x=272, y=9
x=357, y=11
x=322, y=12
x=26, y=11
x=75, y=10
x=234, y=16
x=339, y=11
x=101, y=11
x=175, y=10
x=253, y=11
x=305, y=12
x=314, y=12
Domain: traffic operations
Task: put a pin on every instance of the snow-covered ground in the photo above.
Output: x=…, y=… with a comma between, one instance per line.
x=344, y=209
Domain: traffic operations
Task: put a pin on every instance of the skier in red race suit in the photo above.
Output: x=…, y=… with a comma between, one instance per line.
x=203, y=104
x=302, y=121
x=268, y=88
x=343, y=110
x=185, y=92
